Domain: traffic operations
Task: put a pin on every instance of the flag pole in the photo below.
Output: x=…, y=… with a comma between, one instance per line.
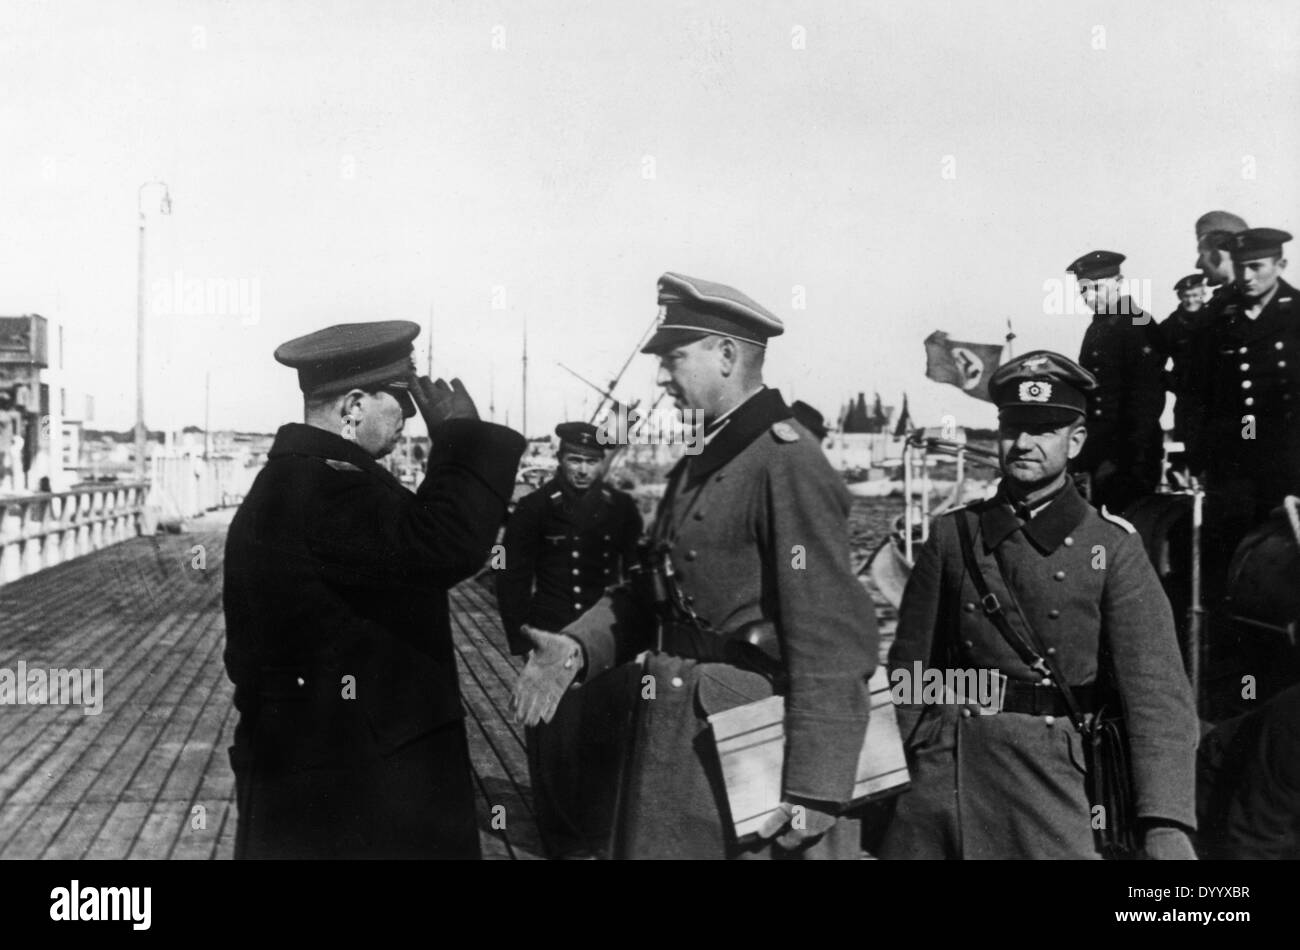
x=1011, y=351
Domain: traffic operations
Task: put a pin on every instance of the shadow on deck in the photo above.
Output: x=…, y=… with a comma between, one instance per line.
x=149, y=776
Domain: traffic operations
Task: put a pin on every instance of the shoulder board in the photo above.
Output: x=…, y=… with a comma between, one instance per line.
x=784, y=432
x=341, y=466
x=1117, y=520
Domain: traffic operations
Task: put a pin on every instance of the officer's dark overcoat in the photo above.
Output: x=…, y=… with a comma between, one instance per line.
x=338, y=641
x=1011, y=785
x=757, y=527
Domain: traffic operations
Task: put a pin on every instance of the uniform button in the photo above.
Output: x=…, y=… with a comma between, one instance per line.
x=1049, y=721
x=1249, y=400
x=301, y=681
x=1096, y=412
x=1053, y=614
x=1046, y=681
x=965, y=713
x=1244, y=367
x=970, y=644
x=690, y=555
x=575, y=553
x=677, y=682
x=1242, y=351
x=699, y=516
x=718, y=477
x=1051, y=651
x=606, y=537
x=1059, y=575
x=577, y=606
x=1281, y=364
x=577, y=589
x=1246, y=384
x=970, y=608
x=575, y=572
x=1068, y=542
x=1276, y=346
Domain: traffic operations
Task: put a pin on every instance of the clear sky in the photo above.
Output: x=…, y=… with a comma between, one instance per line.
x=869, y=171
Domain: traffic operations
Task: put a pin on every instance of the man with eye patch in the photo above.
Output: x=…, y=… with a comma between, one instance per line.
x=1007, y=779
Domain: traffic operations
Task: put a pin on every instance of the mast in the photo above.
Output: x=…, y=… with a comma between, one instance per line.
x=524, y=425
x=428, y=370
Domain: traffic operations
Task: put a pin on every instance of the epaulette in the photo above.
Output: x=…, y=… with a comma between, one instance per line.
x=341, y=466
x=1117, y=520
x=784, y=432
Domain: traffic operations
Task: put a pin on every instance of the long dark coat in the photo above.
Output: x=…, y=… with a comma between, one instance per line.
x=1012, y=785
x=338, y=641
x=757, y=527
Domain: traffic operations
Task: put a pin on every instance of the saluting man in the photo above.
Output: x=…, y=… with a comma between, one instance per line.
x=1006, y=779
x=350, y=741
x=756, y=529
x=1123, y=350
x=564, y=544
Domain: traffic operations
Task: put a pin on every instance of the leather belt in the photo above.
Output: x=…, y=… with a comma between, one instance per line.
x=1035, y=699
x=748, y=648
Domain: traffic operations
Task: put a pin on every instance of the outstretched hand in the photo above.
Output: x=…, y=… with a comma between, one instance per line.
x=553, y=664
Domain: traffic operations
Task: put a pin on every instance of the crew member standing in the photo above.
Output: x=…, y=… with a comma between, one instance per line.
x=1252, y=392
x=350, y=741
x=1123, y=350
x=1006, y=780
x=755, y=530
x=564, y=544
x=1178, y=332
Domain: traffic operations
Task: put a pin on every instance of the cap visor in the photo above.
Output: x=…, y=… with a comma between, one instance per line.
x=670, y=338
x=1038, y=415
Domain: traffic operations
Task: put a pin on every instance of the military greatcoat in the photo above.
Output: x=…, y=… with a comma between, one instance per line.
x=350, y=742
x=757, y=528
x=1011, y=785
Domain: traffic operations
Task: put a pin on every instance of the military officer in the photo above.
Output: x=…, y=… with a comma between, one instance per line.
x=755, y=529
x=1177, y=332
x=1123, y=350
x=564, y=544
x=350, y=742
x=1006, y=780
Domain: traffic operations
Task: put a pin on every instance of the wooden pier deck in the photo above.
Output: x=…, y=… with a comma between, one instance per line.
x=149, y=776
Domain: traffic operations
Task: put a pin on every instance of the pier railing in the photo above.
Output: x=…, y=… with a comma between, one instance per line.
x=39, y=531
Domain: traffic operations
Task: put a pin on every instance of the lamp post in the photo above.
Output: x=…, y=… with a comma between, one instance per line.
x=142, y=434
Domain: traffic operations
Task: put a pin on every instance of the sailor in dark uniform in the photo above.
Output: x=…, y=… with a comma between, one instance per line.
x=1177, y=332
x=1123, y=350
x=1252, y=392
x=564, y=544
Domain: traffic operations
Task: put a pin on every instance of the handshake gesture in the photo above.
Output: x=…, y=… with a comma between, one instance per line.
x=438, y=402
x=553, y=664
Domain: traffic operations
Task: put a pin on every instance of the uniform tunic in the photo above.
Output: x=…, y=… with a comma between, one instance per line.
x=350, y=742
x=1011, y=785
x=757, y=528
x=1178, y=334
x=563, y=549
x=1127, y=357
x=1253, y=381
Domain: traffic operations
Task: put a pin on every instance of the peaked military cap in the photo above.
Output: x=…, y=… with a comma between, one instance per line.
x=1254, y=243
x=365, y=356
x=1190, y=281
x=695, y=308
x=1041, y=386
x=580, y=435
x=1218, y=222
x=810, y=419
x=1095, y=265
